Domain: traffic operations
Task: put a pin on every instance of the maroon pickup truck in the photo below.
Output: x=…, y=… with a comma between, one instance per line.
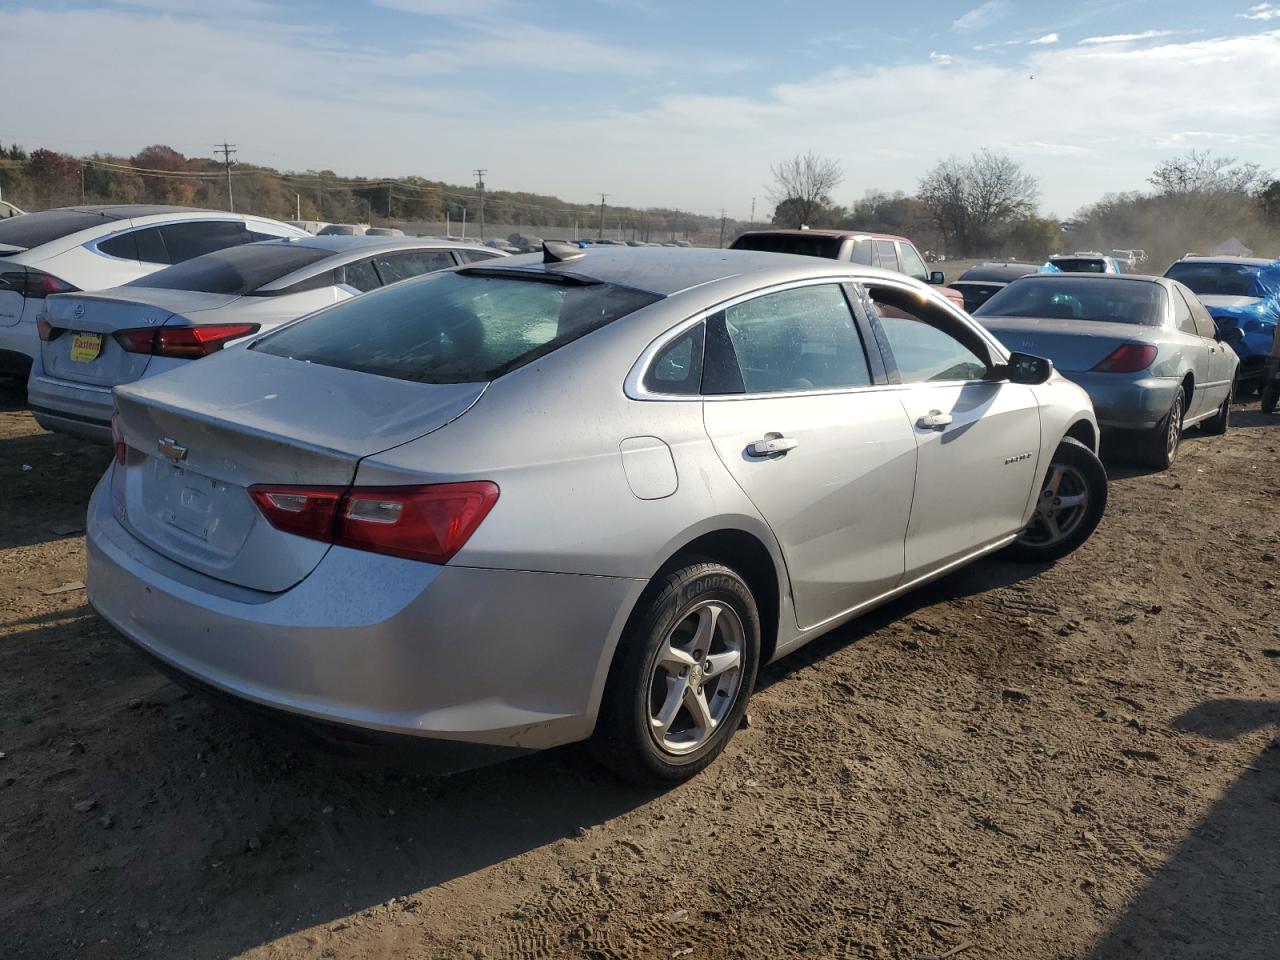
x=872, y=249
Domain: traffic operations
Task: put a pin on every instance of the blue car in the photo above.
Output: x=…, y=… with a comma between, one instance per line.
x=1241, y=294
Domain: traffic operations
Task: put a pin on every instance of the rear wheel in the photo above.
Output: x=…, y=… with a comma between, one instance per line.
x=1068, y=508
x=1270, y=394
x=1220, y=421
x=681, y=679
x=1161, y=444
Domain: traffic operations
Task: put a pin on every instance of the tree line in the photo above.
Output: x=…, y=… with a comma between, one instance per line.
x=986, y=205
x=44, y=178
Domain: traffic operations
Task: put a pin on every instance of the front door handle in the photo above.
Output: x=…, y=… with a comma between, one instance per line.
x=772, y=445
x=934, y=420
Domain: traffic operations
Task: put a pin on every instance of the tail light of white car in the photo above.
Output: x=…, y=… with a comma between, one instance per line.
x=34, y=284
x=429, y=523
x=1127, y=358
x=183, y=343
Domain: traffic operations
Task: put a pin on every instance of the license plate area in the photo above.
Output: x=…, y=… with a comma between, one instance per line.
x=86, y=347
x=208, y=514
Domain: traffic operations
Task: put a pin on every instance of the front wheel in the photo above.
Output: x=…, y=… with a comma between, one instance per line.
x=1068, y=507
x=683, y=673
x=1217, y=424
x=1270, y=394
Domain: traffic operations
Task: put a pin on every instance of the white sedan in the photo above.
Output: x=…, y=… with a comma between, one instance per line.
x=89, y=248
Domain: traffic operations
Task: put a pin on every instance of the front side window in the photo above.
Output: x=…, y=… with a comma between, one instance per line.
x=394, y=267
x=794, y=340
x=912, y=265
x=453, y=327
x=920, y=340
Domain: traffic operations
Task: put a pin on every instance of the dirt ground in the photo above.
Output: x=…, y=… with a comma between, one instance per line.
x=1077, y=761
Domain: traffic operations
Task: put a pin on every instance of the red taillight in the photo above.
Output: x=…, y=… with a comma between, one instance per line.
x=41, y=284
x=429, y=523
x=48, y=332
x=183, y=343
x=1127, y=358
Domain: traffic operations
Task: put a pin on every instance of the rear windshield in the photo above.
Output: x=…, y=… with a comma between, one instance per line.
x=1218, y=279
x=1080, y=264
x=236, y=270
x=453, y=327
x=806, y=246
x=32, y=229
x=1111, y=301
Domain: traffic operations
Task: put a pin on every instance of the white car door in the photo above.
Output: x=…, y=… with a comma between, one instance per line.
x=978, y=440
x=824, y=451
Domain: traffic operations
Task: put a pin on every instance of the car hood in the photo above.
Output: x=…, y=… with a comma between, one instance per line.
x=1216, y=302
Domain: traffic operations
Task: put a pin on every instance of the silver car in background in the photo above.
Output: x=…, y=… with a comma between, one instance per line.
x=92, y=342
x=1144, y=348
x=580, y=495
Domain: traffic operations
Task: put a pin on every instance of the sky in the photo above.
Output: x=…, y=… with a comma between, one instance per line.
x=681, y=103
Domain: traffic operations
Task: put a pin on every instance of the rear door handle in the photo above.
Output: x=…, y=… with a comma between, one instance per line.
x=934, y=420
x=772, y=445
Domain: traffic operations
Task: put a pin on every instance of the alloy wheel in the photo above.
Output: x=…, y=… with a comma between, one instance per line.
x=696, y=677
x=1175, y=428
x=1060, y=508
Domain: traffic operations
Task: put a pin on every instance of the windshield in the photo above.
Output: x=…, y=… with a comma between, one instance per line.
x=235, y=270
x=453, y=327
x=1218, y=279
x=33, y=229
x=805, y=246
x=1108, y=301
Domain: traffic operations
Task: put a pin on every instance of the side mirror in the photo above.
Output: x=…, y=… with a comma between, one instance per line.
x=937, y=278
x=1024, y=368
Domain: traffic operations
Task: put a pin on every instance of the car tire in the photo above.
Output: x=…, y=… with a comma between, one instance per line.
x=1076, y=471
x=1220, y=422
x=1160, y=446
x=1270, y=394
x=667, y=634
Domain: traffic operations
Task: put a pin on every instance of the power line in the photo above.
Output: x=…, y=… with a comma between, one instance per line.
x=228, y=151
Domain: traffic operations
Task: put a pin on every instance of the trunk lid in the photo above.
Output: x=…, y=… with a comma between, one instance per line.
x=200, y=436
x=100, y=315
x=1074, y=346
x=1226, y=302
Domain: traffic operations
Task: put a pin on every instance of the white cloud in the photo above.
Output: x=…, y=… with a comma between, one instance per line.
x=1262, y=11
x=942, y=58
x=1125, y=37
x=1047, y=39
x=982, y=16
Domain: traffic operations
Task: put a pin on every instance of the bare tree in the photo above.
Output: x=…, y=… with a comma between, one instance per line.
x=973, y=201
x=802, y=188
x=1200, y=172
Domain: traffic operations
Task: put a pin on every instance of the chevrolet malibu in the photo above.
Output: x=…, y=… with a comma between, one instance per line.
x=577, y=496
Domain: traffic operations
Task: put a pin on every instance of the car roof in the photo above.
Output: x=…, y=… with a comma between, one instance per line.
x=825, y=233
x=131, y=211
x=997, y=271
x=666, y=271
x=1248, y=261
x=346, y=243
x=1103, y=277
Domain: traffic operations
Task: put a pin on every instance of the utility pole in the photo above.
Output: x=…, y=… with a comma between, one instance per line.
x=388, y=201
x=480, y=187
x=82, y=181
x=753, y=213
x=297, y=206
x=228, y=151
x=600, y=232
x=722, y=228
x=464, y=221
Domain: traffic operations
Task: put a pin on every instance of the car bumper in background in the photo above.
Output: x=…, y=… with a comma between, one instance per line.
x=1124, y=402
x=507, y=658
x=80, y=409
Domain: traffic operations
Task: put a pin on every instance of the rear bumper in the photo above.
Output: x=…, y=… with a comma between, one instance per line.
x=1124, y=402
x=506, y=658
x=80, y=409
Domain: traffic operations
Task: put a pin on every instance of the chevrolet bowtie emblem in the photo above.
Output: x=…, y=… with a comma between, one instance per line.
x=172, y=449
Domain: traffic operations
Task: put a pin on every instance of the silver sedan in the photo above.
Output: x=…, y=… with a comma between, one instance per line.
x=1144, y=348
x=582, y=495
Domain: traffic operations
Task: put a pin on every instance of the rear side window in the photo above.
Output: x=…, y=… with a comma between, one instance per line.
x=361, y=275
x=404, y=264
x=862, y=252
x=474, y=256
x=33, y=229
x=886, y=255
x=677, y=369
x=804, y=244
x=238, y=270
x=194, y=238
x=453, y=327
x=794, y=340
